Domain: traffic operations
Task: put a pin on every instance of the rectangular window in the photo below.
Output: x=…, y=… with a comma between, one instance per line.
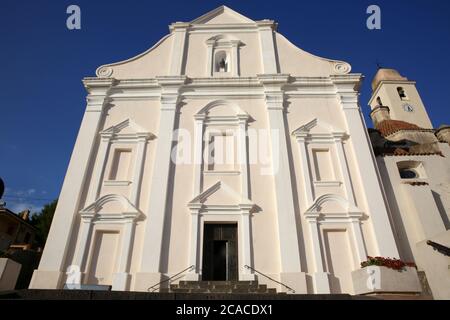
x=120, y=168
x=322, y=165
x=221, y=153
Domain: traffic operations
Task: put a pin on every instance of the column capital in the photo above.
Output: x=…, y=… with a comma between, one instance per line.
x=267, y=24
x=144, y=136
x=87, y=217
x=349, y=101
x=170, y=90
x=347, y=88
x=98, y=91
x=275, y=100
x=339, y=137
x=179, y=26
x=312, y=217
x=243, y=118
x=301, y=136
x=195, y=208
x=273, y=89
x=246, y=208
x=106, y=136
x=200, y=117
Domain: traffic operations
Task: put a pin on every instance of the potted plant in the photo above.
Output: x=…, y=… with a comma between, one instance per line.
x=386, y=275
x=395, y=264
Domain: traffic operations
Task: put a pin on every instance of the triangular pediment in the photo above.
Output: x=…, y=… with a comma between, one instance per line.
x=220, y=194
x=126, y=128
x=317, y=127
x=222, y=15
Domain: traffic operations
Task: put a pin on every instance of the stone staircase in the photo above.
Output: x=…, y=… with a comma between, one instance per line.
x=238, y=287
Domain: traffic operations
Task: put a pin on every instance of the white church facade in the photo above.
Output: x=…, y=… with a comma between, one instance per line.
x=224, y=151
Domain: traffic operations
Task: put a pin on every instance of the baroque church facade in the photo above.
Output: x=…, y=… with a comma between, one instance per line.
x=225, y=152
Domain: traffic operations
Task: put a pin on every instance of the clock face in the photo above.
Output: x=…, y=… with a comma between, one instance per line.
x=408, y=108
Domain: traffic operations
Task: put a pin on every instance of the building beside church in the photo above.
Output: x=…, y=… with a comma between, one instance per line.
x=413, y=160
x=226, y=149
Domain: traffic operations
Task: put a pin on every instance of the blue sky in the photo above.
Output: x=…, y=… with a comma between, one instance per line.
x=42, y=99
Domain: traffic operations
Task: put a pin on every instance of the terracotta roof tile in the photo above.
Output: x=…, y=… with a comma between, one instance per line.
x=388, y=127
x=403, y=152
x=416, y=183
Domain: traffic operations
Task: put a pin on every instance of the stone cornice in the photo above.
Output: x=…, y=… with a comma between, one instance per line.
x=347, y=88
x=179, y=26
x=98, y=92
x=347, y=83
x=273, y=80
x=344, y=86
x=267, y=24
x=171, y=81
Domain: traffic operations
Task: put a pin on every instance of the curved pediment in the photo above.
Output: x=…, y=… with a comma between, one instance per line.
x=221, y=108
x=334, y=206
x=111, y=206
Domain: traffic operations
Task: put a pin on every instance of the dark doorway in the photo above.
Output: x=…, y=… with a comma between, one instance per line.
x=220, y=259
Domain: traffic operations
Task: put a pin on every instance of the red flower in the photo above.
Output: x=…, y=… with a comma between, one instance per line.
x=395, y=264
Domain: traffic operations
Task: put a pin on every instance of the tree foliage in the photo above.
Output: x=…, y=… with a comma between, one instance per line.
x=42, y=222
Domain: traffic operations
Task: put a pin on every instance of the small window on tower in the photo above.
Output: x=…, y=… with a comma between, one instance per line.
x=379, y=101
x=411, y=169
x=402, y=93
x=408, y=174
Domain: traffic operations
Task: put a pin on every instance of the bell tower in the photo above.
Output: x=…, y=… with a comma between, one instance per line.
x=398, y=93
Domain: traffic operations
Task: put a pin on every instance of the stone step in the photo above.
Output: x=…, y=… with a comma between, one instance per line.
x=243, y=287
x=42, y=294
x=216, y=286
x=208, y=291
x=218, y=282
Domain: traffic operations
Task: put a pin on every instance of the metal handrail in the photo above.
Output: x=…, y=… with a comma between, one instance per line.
x=153, y=289
x=286, y=286
x=439, y=247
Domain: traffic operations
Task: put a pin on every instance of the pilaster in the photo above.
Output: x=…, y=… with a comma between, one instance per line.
x=179, y=31
x=347, y=87
x=52, y=263
x=159, y=190
x=291, y=272
x=269, y=56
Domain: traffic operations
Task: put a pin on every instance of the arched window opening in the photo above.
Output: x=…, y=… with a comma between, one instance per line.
x=379, y=101
x=402, y=93
x=221, y=62
x=411, y=170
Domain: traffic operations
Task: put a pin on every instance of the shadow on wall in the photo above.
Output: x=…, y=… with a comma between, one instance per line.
x=29, y=259
x=441, y=208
